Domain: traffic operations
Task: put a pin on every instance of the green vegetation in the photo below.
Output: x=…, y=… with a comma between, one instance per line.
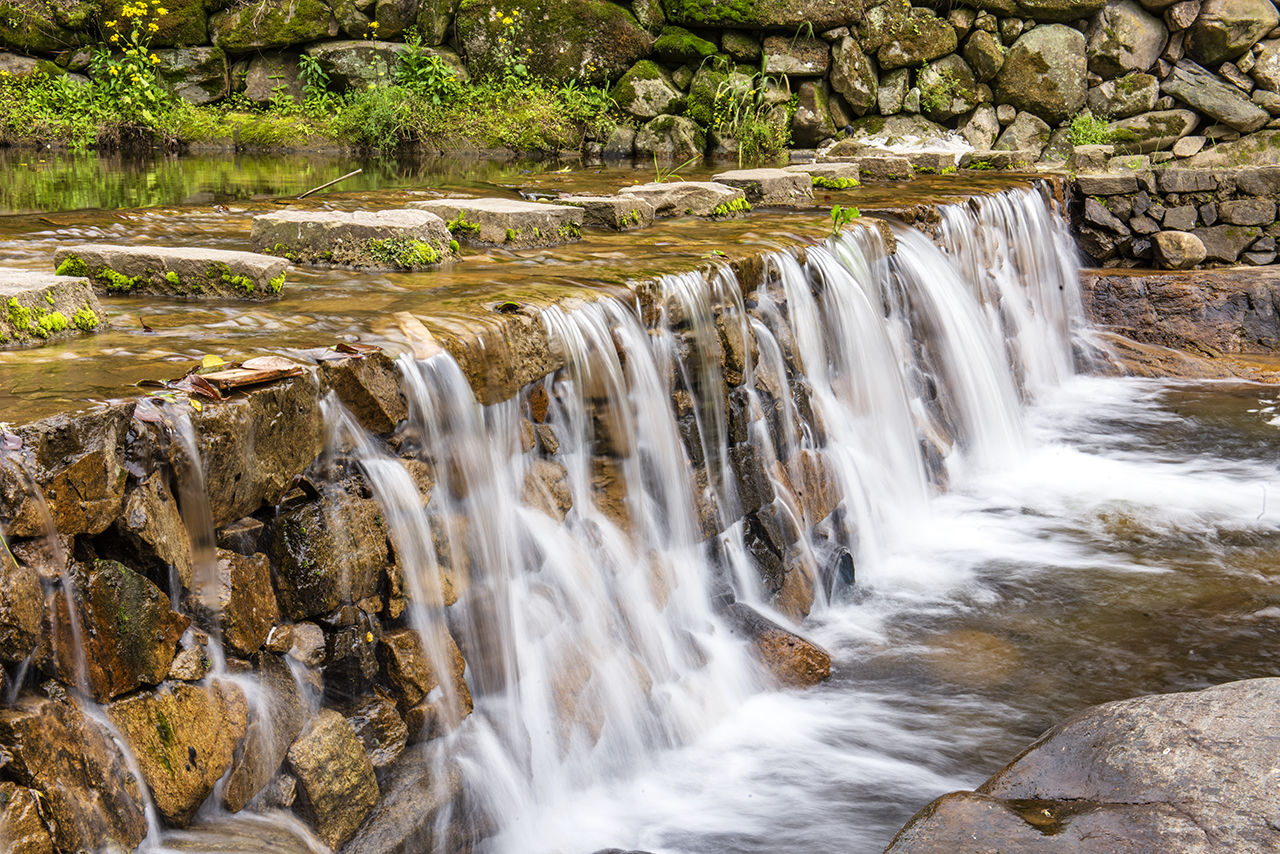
x=1085, y=129
x=86, y=319
x=738, y=205
x=842, y=216
x=172, y=278
x=73, y=265
x=36, y=322
x=276, y=284
x=403, y=253
x=459, y=225
x=835, y=183
x=937, y=88
x=744, y=111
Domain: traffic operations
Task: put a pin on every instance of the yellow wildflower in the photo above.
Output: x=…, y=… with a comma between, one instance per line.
x=155, y=59
x=111, y=23
x=153, y=26
x=114, y=71
x=161, y=11
x=115, y=37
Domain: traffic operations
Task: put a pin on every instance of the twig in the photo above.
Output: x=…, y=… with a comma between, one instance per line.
x=331, y=183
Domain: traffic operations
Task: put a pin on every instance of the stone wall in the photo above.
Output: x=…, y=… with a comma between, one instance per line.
x=1175, y=218
x=1008, y=74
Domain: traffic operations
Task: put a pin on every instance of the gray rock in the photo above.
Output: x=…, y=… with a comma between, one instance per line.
x=41, y=307
x=981, y=127
x=265, y=24
x=676, y=45
x=1026, y=133
x=1095, y=212
x=618, y=213
x=741, y=46
x=506, y=222
x=799, y=56
x=830, y=172
x=1058, y=10
x=985, y=54
x=358, y=63
x=1259, y=181
x=1181, y=15
x=905, y=36
x=1225, y=29
x=885, y=167
x=1107, y=183
x=670, y=139
x=1259, y=259
x=1188, y=146
x=1186, y=181
x=893, y=91
x=335, y=774
x=676, y=198
x=813, y=121
x=1266, y=66
x=1247, y=211
x=1152, y=131
x=394, y=239
x=947, y=89
x=1143, y=225
x=1210, y=94
x=1090, y=158
x=1044, y=73
x=1130, y=95
x=998, y=159
x=1209, y=213
x=1267, y=100
x=276, y=720
x=769, y=186
x=1181, y=218
x=1225, y=242
x=264, y=77
x=189, y=272
x=197, y=75
x=647, y=90
x=1231, y=72
x=1125, y=38
x=620, y=144
x=854, y=76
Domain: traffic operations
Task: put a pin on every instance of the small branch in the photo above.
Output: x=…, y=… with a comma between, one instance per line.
x=330, y=184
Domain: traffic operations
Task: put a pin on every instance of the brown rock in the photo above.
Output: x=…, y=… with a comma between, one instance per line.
x=334, y=775
x=20, y=608
x=127, y=634
x=247, y=601
x=277, y=718
x=92, y=799
x=22, y=830
x=546, y=487
x=378, y=726
x=370, y=390
x=794, y=661
x=151, y=522
x=1178, y=250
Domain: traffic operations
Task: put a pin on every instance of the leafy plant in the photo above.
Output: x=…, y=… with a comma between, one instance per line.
x=743, y=112
x=661, y=176
x=937, y=88
x=315, y=80
x=123, y=67
x=1085, y=129
x=426, y=74
x=842, y=216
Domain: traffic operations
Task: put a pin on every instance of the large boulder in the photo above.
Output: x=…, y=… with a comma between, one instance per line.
x=174, y=271
x=677, y=45
x=271, y=24
x=853, y=76
x=39, y=308
x=813, y=120
x=276, y=720
x=1125, y=38
x=1266, y=66
x=360, y=63
x=1044, y=73
x=647, y=91
x=1190, y=772
x=905, y=36
x=670, y=139
x=798, y=57
x=185, y=22
x=1128, y=96
x=335, y=777
x=697, y=198
x=764, y=14
x=514, y=223
x=1226, y=29
x=985, y=54
x=182, y=737
x=947, y=88
x=392, y=239
x=246, y=601
x=1154, y=131
x=153, y=526
x=267, y=76
x=791, y=659
x=197, y=75
x=45, y=26
x=1213, y=96
x=1178, y=250
x=1024, y=133
x=590, y=40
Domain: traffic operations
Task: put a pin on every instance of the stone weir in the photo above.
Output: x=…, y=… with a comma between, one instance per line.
x=312, y=593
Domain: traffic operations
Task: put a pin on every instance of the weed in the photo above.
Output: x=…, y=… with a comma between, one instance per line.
x=842, y=216
x=1085, y=129
x=662, y=176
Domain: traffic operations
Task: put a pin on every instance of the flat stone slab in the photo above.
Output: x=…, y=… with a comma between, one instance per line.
x=769, y=186
x=620, y=213
x=40, y=307
x=183, y=271
x=830, y=176
x=507, y=222
x=696, y=198
x=393, y=239
x=989, y=159
x=876, y=167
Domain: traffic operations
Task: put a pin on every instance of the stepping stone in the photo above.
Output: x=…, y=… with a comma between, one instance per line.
x=698, y=198
x=998, y=159
x=507, y=222
x=38, y=307
x=769, y=186
x=877, y=167
x=620, y=213
x=185, y=271
x=830, y=176
x=395, y=239
x=933, y=162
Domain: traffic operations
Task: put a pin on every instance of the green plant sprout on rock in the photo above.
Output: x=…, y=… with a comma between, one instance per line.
x=1085, y=129
x=404, y=253
x=730, y=208
x=661, y=176
x=86, y=319
x=72, y=265
x=842, y=216
x=826, y=183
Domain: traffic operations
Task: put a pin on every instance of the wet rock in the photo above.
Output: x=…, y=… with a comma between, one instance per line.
x=406, y=817
x=646, y=91
x=1044, y=73
x=618, y=213
x=793, y=660
x=1119, y=99
x=546, y=487
x=814, y=120
x=507, y=222
x=853, y=76
x=392, y=239
x=1125, y=38
x=308, y=644
x=671, y=139
x=38, y=308
x=981, y=127
x=191, y=663
x=152, y=523
x=1215, y=97
x=1226, y=29
x=270, y=24
x=276, y=720
x=947, y=89
x=1226, y=242
x=78, y=770
x=1152, y=131
x=335, y=776
x=20, y=608
x=800, y=56
x=769, y=186
x=411, y=670
x=127, y=634
x=1025, y=133
x=379, y=727
x=22, y=830
x=905, y=36
x=697, y=198
x=246, y=601
x=328, y=553
x=1174, y=772
x=181, y=271
x=182, y=737
x=369, y=388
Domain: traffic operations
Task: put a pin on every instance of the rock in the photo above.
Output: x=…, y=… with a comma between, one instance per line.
x=1266, y=66
x=814, y=120
x=359, y=63
x=1090, y=158
x=1212, y=95
x=246, y=601
x=126, y=636
x=1247, y=212
x=791, y=659
x=22, y=830
x=45, y=26
x=620, y=144
x=182, y=737
x=1186, y=772
x=36, y=308
x=985, y=55
x=1044, y=73
x=1188, y=146
x=907, y=36
x=334, y=775
x=369, y=388
x=197, y=75
x=1226, y=29
x=1225, y=242
x=947, y=89
x=546, y=488
x=799, y=56
x=677, y=45
x=328, y=553
x=647, y=91
x=618, y=213
x=20, y=612
x=152, y=524
x=870, y=135
x=741, y=46
x=1107, y=184
x=981, y=128
x=507, y=222
x=1259, y=181
x=1059, y=149
x=189, y=272
x=379, y=727
x=696, y=198
x=893, y=91
x=1058, y=10
x=392, y=239
x=1128, y=96
x=671, y=139
x=1180, y=218
x=998, y=159
x=1095, y=212
x=1181, y=15
x=1230, y=72
x=413, y=796
x=1267, y=100
x=276, y=719
x=590, y=40
x=308, y=644
x=1026, y=133
x=769, y=186
x=262, y=78
x=271, y=24
x=414, y=673
x=1152, y=131
x=1125, y=38
x=853, y=76
x=92, y=799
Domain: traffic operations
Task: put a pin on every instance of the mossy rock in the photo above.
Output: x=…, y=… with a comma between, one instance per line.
x=44, y=27
x=647, y=91
x=762, y=14
x=677, y=45
x=590, y=40
x=717, y=76
x=271, y=24
x=186, y=22
x=670, y=139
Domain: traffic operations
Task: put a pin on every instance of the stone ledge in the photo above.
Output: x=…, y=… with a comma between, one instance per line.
x=38, y=307
x=512, y=223
x=391, y=239
x=186, y=272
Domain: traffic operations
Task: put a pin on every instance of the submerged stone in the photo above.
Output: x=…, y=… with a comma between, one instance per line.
x=391, y=239
x=793, y=660
x=513, y=223
x=36, y=307
x=187, y=272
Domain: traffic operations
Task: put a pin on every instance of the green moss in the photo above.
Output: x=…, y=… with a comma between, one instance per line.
x=48, y=297
x=710, y=11
x=980, y=164
x=631, y=219
x=835, y=183
x=276, y=284
x=221, y=272
x=738, y=205
x=512, y=234
x=459, y=225
x=72, y=265
x=19, y=316
x=116, y=282
x=403, y=253
x=86, y=320
x=569, y=231
x=172, y=278
x=454, y=246
x=53, y=322
x=676, y=44
x=282, y=251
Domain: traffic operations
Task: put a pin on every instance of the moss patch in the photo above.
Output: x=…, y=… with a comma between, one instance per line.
x=731, y=208
x=72, y=265
x=835, y=183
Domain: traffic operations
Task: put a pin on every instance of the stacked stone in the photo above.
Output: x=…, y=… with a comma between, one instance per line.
x=1179, y=218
